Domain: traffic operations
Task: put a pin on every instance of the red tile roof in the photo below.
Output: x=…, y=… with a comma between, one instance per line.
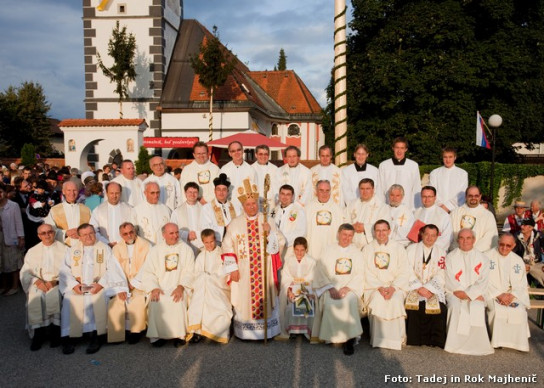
x=288, y=90
x=100, y=122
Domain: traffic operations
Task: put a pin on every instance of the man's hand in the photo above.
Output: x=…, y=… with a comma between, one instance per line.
x=387, y=292
x=424, y=292
x=156, y=294
x=191, y=236
x=461, y=295
x=177, y=294
x=203, y=201
x=290, y=295
x=95, y=288
x=266, y=226
x=41, y=285
x=235, y=276
x=343, y=292
x=528, y=268
x=77, y=289
x=122, y=295
x=20, y=242
x=359, y=227
x=445, y=208
x=334, y=293
x=72, y=233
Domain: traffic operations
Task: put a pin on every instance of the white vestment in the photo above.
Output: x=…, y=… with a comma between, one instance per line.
x=87, y=265
x=291, y=221
x=367, y=213
x=187, y=218
x=42, y=263
x=303, y=279
x=260, y=173
x=201, y=174
x=236, y=175
x=166, y=268
x=300, y=178
x=467, y=332
x=437, y=216
x=106, y=219
x=508, y=324
x=343, y=267
x=351, y=178
x=149, y=219
x=406, y=175
x=216, y=216
x=210, y=311
x=332, y=174
x=450, y=184
x=401, y=221
x=245, y=239
x=431, y=274
x=132, y=314
x=170, y=190
x=65, y=216
x=132, y=190
x=386, y=265
x=322, y=220
x=481, y=221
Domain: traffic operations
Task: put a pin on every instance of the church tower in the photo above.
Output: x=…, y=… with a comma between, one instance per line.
x=155, y=25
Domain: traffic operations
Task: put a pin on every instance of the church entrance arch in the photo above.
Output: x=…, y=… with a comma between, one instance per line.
x=89, y=156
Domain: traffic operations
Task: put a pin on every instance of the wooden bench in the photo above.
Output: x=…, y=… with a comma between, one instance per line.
x=538, y=304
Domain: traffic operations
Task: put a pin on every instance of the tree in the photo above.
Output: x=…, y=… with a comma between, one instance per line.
x=28, y=155
x=122, y=48
x=282, y=61
x=142, y=164
x=421, y=69
x=213, y=65
x=23, y=119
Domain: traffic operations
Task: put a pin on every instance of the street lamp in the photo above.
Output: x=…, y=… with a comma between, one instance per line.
x=494, y=122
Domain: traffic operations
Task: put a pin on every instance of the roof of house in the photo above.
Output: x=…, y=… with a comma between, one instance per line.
x=100, y=122
x=281, y=96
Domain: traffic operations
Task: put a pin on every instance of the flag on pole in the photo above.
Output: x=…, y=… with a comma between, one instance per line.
x=481, y=138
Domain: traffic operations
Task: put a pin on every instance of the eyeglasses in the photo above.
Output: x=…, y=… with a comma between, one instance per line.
x=506, y=245
x=46, y=233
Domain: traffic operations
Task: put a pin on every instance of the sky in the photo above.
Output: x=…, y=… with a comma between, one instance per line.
x=42, y=41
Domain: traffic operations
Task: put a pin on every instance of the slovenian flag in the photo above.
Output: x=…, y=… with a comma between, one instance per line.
x=481, y=138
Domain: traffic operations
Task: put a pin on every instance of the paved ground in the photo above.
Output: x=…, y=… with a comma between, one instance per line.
x=245, y=364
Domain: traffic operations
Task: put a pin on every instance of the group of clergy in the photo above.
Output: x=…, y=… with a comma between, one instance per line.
x=348, y=243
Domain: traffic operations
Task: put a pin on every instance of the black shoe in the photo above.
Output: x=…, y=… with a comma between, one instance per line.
x=195, y=339
x=67, y=345
x=348, y=347
x=37, y=340
x=54, y=336
x=134, y=338
x=95, y=344
x=178, y=343
x=158, y=343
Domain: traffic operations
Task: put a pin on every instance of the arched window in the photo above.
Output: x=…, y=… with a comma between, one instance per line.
x=293, y=130
x=274, y=131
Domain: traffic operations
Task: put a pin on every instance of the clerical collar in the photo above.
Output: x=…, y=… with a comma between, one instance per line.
x=252, y=217
x=70, y=203
x=293, y=166
x=221, y=203
x=360, y=168
x=399, y=162
x=286, y=207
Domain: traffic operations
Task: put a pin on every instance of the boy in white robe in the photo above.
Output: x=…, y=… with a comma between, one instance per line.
x=166, y=273
x=300, y=279
x=507, y=297
x=467, y=276
x=326, y=170
x=386, y=283
x=210, y=310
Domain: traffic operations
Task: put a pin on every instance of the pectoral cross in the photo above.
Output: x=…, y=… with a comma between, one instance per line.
x=401, y=220
x=517, y=268
x=491, y=265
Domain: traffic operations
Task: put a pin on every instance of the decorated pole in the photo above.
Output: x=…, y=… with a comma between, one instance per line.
x=265, y=259
x=340, y=98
